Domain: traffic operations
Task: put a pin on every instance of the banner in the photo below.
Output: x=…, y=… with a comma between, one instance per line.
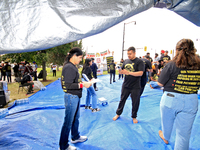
x=104, y=53
x=89, y=55
x=99, y=71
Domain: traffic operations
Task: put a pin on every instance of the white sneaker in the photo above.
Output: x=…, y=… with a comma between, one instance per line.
x=71, y=148
x=81, y=139
x=95, y=109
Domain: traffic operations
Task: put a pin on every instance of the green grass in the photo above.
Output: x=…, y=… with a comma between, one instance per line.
x=13, y=87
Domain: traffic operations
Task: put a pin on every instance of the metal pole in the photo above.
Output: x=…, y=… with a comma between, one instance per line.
x=124, y=36
x=123, y=42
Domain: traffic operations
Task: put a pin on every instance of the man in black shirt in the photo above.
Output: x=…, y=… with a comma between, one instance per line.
x=8, y=72
x=112, y=71
x=119, y=67
x=16, y=70
x=3, y=72
x=27, y=80
x=133, y=68
x=160, y=66
x=166, y=58
x=148, y=67
x=150, y=59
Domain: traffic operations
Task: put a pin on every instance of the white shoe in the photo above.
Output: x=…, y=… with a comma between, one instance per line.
x=81, y=139
x=71, y=148
x=95, y=109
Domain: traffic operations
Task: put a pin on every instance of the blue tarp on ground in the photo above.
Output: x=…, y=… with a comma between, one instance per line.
x=37, y=125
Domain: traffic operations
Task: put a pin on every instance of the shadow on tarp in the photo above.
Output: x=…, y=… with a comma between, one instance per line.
x=37, y=125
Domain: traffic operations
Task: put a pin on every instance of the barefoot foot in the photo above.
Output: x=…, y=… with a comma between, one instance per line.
x=116, y=117
x=162, y=137
x=135, y=120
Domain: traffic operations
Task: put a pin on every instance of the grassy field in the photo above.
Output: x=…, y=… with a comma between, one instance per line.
x=13, y=87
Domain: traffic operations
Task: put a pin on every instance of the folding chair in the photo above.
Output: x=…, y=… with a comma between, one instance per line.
x=21, y=85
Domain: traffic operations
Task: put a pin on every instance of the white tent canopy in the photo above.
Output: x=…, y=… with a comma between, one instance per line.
x=41, y=24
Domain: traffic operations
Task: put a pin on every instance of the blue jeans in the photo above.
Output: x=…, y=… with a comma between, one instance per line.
x=71, y=120
x=181, y=109
x=154, y=84
x=91, y=92
x=8, y=74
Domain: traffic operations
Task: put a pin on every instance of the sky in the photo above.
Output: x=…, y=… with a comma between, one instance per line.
x=157, y=29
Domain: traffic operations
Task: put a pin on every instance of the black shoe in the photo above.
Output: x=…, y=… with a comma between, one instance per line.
x=28, y=93
x=96, y=89
x=113, y=81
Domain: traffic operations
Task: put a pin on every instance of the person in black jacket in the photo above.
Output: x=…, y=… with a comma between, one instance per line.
x=94, y=71
x=3, y=72
x=16, y=70
x=72, y=86
x=90, y=91
x=112, y=71
x=27, y=80
x=8, y=72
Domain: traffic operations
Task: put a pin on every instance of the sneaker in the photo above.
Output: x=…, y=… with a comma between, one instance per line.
x=28, y=93
x=88, y=107
x=96, y=89
x=81, y=139
x=96, y=109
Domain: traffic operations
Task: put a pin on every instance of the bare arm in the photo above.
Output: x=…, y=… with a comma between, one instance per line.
x=160, y=84
x=136, y=74
x=152, y=79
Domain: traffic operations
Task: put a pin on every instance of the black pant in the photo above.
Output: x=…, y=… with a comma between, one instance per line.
x=112, y=74
x=35, y=75
x=143, y=83
x=121, y=75
x=30, y=86
x=54, y=73
x=3, y=76
x=95, y=76
x=135, y=97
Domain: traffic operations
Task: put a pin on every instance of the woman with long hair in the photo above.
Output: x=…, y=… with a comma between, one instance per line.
x=72, y=86
x=179, y=103
x=90, y=91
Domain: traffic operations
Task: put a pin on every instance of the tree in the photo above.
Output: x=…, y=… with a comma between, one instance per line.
x=58, y=54
x=18, y=57
x=54, y=55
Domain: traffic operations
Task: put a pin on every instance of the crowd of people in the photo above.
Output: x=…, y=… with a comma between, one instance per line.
x=19, y=69
x=23, y=72
x=179, y=78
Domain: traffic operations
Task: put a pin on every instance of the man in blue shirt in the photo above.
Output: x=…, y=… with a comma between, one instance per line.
x=94, y=71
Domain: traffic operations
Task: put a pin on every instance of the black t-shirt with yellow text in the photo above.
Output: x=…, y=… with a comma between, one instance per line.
x=147, y=65
x=167, y=58
x=135, y=65
x=8, y=68
x=179, y=80
x=112, y=67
